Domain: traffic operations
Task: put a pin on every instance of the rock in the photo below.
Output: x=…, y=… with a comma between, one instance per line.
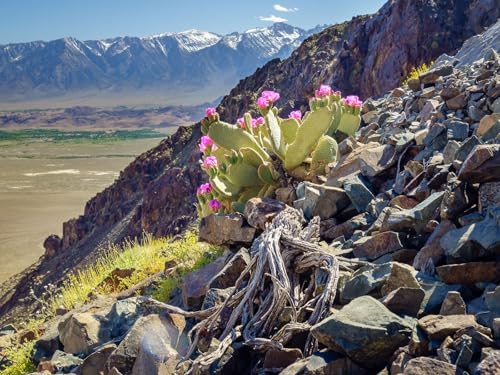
x=378, y=280
x=429, y=366
x=61, y=362
x=495, y=327
x=470, y=273
x=358, y=192
x=492, y=133
x=365, y=330
x=433, y=251
x=482, y=164
x=433, y=75
x=415, y=218
x=324, y=362
x=52, y=245
x=473, y=241
x=428, y=109
x=458, y=102
x=466, y=148
x=398, y=92
x=449, y=151
x=281, y=358
x=404, y=301
x=492, y=300
x=96, y=362
x=457, y=130
x=195, y=285
x=435, y=293
x=487, y=123
x=47, y=344
x=399, y=363
x=234, y=267
x=414, y=84
x=219, y=229
x=453, y=304
x=346, y=229
x=320, y=200
x=259, y=211
x=216, y=297
x=286, y=195
x=489, y=365
x=437, y=327
x=161, y=335
x=82, y=330
x=372, y=247
x=449, y=92
x=117, y=275
x=489, y=196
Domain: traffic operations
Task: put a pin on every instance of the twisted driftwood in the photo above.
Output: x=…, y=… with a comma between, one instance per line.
x=273, y=286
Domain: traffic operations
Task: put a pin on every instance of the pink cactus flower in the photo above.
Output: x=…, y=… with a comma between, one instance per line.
x=204, y=189
x=258, y=122
x=324, y=90
x=353, y=101
x=205, y=143
x=271, y=96
x=241, y=122
x=297, y=115
x=262, y=103
x=210, y=162
x=214, y=205
x=210, y=112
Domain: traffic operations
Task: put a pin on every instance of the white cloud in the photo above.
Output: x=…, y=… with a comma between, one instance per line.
x=272, y=18
x=281, y=8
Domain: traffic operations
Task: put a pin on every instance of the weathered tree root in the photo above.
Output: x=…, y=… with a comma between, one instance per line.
x=289, y=275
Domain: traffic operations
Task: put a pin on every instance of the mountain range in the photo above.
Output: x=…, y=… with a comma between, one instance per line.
x=189, y=67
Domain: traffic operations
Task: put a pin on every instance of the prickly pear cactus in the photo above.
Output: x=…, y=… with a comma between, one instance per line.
x=256, y=155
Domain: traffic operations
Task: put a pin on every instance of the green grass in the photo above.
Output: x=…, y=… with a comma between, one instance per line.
x=147, y=257
x=416, y=71
x=97, y=136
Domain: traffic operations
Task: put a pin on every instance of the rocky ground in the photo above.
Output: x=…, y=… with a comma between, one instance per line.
x=410, y=215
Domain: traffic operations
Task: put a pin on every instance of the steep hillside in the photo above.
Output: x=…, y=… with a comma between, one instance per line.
x=156, y=192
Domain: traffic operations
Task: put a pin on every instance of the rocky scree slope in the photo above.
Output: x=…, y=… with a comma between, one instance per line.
x=155, y=193
x=410, y=214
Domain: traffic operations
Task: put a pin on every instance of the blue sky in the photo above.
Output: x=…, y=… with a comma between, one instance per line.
x=26, y=20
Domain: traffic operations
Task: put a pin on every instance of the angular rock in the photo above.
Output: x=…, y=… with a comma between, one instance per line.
x=433, y=251
x=228, y=275
x=195, y=285
x=96, y=362
x=404, y=301
x=325, y=362
x=379, y=280
x=489, y=365
x=320, y=200
x=489, y=196
x=435, y=293
x=429, y=366
x=415, y=218
x=433, y=75
x=160, y=334
x=458, y=102
x=437, y=327
x=219, y=229
x=52, y=245
x=372, y=247
x=358, y=222
x=466, y=148
x=470, y=273
x=47, y=344
x=457, y=130
x=449, y=151
x=473, y=241
x=64, y=362
x=481, y=165
x=453, y=304
x=259, y=211
x=358, y=192
x=487, y=123
x=216, y=297
x=365, y=330
x=281, y=358
x=428, y=109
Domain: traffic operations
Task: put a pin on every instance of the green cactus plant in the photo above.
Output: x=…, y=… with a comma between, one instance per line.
x=241, y=159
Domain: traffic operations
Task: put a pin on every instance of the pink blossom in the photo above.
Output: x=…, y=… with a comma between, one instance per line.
x=297, y=115
x=353, y=101
x=324, y=90
x=206, y=142
x=241, y=122
x=210, y=112
x=262, y=103
x=271, y=96
x=258, y=121
x=210, y=162
x=214, y=205
x=204, y=189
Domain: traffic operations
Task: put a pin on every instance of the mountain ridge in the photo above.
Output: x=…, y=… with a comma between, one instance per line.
x=167, y=62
